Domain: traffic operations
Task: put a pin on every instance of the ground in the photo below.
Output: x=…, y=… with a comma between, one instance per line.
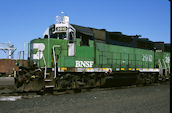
x=147, y=99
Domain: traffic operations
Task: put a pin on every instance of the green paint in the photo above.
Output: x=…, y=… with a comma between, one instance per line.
x=103, y=55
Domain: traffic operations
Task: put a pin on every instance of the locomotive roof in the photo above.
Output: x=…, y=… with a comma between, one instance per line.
x=84, y=30
x=89, y=31
x=118, y=38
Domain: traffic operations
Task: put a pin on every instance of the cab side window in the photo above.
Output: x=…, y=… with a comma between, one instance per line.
x=71, y=37
x=84, y=41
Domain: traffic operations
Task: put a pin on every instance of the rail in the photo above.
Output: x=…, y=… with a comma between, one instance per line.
x=164, y=63
x=45, y=72
x=160, y=65
x=55, y=63
x=169, y=67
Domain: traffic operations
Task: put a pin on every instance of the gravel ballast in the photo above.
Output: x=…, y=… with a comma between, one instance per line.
x=148, y=99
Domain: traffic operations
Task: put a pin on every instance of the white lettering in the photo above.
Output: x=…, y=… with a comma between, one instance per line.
x=146, y=57
x=167, y=59
x=40, y=48
x=87, y=64
x=150, y=58
x=91, y=63
x=77, y=64
x=84, y=63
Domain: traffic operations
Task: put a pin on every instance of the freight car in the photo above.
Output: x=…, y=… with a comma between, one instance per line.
x=7, y=66
x=71, y=56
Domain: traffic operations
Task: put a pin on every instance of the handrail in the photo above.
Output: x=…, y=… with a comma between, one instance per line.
x=45, y=72
x=169, y=67
x=160, y=65
x=164, y=63
x=55, y=46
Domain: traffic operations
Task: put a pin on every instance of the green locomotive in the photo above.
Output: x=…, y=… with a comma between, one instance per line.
x=70, y=56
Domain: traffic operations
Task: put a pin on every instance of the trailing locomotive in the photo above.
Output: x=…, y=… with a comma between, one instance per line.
x=71, y=56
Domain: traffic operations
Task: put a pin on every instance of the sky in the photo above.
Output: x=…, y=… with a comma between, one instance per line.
x=24, y=20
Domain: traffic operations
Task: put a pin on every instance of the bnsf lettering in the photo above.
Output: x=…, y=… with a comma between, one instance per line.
x=84, y=63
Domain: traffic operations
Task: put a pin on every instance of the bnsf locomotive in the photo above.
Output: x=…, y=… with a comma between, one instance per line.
x=71, y=56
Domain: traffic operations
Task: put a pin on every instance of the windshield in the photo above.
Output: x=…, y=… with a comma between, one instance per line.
x=59, y=35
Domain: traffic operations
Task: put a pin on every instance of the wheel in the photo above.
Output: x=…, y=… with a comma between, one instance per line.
x=91, y=83
x=148, y=79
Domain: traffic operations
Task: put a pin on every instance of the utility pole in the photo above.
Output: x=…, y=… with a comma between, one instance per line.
x=8, y=48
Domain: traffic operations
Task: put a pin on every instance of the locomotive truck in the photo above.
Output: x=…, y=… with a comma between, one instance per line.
x=71, y=56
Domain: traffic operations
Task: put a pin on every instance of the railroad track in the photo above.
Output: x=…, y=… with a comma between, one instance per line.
x=73, y=91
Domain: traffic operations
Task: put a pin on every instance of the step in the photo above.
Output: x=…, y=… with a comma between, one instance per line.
x=47, y=73
x=49, y=86
x=48, y=80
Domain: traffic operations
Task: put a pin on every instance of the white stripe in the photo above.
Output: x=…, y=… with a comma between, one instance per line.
x=89, y=69
x=148, y=69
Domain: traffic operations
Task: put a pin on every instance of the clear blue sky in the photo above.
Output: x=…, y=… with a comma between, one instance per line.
x=24, y=20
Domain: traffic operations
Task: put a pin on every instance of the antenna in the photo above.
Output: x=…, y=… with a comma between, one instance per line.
x=58, y=19
x=62, y=18
x=62, y=13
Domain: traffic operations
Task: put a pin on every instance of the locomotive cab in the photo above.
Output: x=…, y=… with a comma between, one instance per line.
x=57, y=37
x=62, y=30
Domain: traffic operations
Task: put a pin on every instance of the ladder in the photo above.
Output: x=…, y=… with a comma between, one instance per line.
x=48, y=79
x=49, y=82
